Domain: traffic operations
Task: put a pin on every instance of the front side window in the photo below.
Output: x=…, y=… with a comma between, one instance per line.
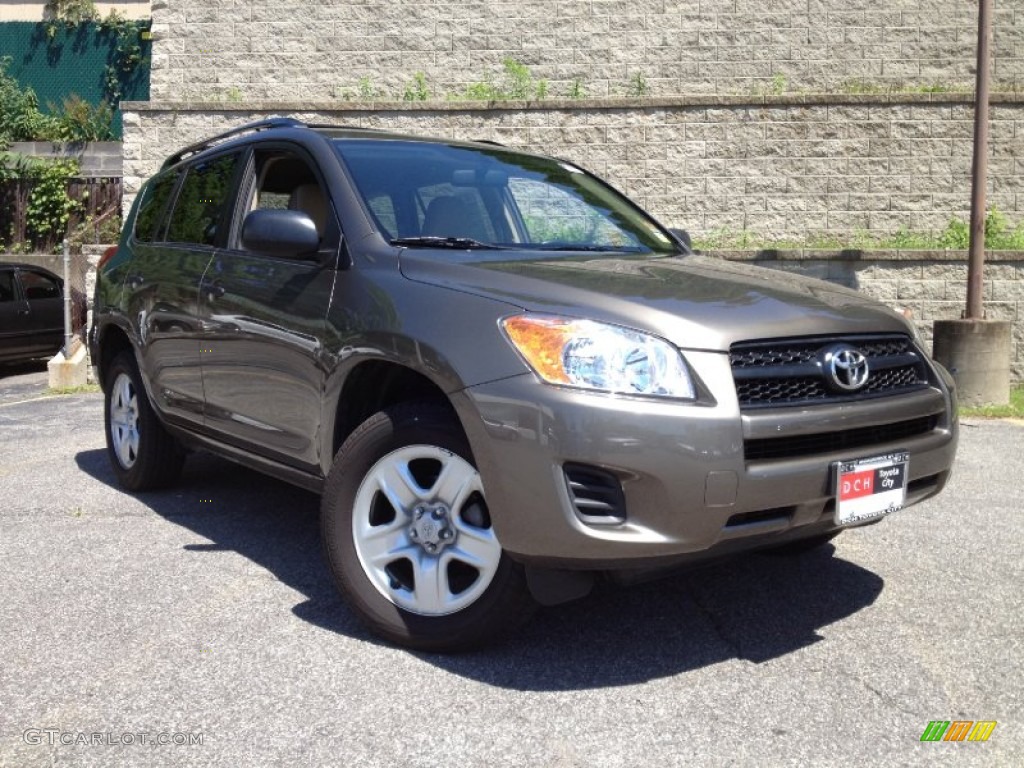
x=205, y=196
x=37, y=286
x=494, y=197
x=6, y=285
x=286, y=181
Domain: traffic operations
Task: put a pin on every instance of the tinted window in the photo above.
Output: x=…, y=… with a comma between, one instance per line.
x=202, y=202
x=37, y=286
x=152, y=207
x=6, y=285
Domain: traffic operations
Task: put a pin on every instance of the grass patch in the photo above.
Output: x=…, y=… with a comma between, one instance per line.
x=1015, y=409
x=87, y=389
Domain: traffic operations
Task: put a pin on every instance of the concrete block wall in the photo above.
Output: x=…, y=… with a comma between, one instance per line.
x=96, y=159
x=782, y=167
x=319, y=50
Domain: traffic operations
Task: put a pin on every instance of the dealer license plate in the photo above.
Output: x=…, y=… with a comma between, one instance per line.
x=870, y=488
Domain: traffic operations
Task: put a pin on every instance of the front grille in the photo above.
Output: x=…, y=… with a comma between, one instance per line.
x=830, y=442
x=791, y=371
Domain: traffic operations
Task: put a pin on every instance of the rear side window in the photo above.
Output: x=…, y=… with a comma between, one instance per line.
x=152, y=207
x=203, y=201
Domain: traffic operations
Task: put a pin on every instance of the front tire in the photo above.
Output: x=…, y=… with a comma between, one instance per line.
x=409, y=539
x=143, y=455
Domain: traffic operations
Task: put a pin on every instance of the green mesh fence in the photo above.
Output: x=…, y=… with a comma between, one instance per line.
x=75, y=60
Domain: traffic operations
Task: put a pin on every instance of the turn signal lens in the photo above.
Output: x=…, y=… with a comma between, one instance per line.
x=591, y=355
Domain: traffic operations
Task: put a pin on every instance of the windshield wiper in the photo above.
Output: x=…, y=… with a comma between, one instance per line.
x=441, y=242
x=594, y=248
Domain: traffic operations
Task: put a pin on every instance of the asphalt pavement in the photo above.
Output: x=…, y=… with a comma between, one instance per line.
x=204, y=617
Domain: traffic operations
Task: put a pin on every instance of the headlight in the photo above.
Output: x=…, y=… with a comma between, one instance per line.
x=591, y=355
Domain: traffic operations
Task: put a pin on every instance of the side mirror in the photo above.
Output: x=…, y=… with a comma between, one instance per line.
x=683, y=238
x=283, y=233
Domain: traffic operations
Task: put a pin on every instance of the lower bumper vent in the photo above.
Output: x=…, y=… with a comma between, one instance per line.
x=596, y=494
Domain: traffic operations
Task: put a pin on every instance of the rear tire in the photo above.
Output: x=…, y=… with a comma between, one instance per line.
x=408, y=536
x=142, y=453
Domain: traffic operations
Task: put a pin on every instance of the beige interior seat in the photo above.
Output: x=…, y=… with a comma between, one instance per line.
x=309, y=199
x=450, y=216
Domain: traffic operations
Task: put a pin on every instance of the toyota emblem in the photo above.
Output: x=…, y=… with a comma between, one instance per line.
x=846, y=368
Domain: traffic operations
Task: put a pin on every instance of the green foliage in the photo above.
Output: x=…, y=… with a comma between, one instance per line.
x=637, y=85
x=516, y=83
x=1013, y=410
x=367, y=90
x=49, y=206
x=36, y=192
x=869, y=87
x=519, y=79
x=105, y=228
x=577, y=90
x=71, y=12
x=1000, y=235
x=417, y=90
x=956, y=235
x=20, y=116
x=126, y=59
x=79, y=120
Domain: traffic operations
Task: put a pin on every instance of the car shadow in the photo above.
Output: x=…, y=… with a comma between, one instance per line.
x=22, y=368
x=754, y=608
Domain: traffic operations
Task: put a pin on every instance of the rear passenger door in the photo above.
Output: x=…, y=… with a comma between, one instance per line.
x=264, y=318
x=180, y=224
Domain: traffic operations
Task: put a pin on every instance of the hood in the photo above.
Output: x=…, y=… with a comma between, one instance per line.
x=695, y=302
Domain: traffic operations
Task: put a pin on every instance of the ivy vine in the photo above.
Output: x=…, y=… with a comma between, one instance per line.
x=37, y=204
x=126, y=58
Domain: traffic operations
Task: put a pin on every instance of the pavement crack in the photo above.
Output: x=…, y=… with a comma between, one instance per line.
x=881, y=695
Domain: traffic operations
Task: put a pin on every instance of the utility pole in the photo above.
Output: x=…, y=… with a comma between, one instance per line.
x=979, y=167
x=975, y=350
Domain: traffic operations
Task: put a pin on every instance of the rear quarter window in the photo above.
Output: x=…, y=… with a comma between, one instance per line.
x=151, y=209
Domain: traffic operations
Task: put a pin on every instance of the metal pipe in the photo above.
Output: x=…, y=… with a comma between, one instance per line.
x=67, y=301
x=979, y=167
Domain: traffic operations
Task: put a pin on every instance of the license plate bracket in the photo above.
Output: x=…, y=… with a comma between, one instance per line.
x=870, y=488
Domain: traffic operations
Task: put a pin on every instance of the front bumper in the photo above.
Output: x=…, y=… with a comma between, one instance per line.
x=689, y=489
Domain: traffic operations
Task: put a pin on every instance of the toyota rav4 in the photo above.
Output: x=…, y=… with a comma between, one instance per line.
x=503, y=377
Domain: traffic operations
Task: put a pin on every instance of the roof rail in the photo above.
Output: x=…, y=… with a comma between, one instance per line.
x=258, y=125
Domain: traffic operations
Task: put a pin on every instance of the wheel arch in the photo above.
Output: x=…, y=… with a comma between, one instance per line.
x=373, y=385
x=112, y=340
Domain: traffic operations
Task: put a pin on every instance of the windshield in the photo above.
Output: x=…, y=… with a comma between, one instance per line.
x=433, y=195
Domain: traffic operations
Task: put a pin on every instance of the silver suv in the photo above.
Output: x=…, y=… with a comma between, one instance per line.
x=504, y=378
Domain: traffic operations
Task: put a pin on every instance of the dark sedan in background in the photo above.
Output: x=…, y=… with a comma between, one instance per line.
x=32, y=312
